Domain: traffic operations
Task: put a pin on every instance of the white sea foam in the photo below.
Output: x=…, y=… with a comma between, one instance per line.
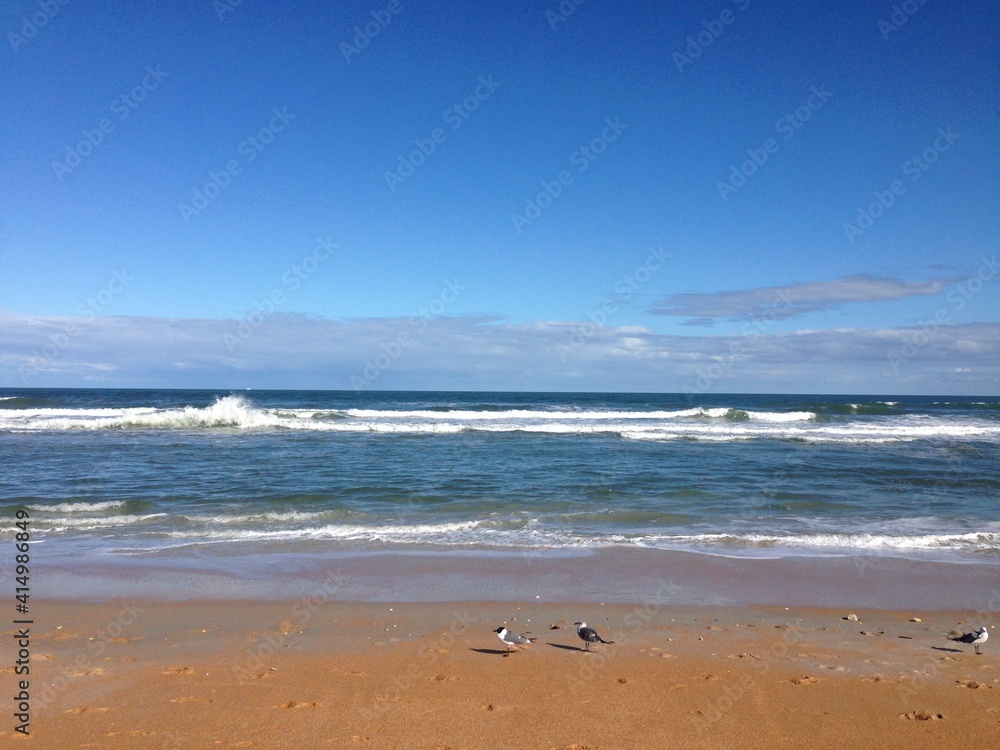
x=715, y=424
x=99, y=522
x=78, y=507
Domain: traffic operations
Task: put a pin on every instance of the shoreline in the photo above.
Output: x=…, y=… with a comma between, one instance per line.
x=326, y=673
x=611, y=576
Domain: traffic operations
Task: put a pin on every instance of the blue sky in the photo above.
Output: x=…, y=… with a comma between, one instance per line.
x=717, y=197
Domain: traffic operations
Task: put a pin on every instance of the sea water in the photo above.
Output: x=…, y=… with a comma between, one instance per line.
x=171, y=475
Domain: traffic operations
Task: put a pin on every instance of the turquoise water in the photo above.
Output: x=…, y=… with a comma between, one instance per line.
x=127, y=474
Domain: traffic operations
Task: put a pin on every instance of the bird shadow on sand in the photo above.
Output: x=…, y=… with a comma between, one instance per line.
x=949, y=650
x=564, y=646
x=493, y=651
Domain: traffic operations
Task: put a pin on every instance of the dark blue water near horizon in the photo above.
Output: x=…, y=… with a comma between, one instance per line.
x=119, y=474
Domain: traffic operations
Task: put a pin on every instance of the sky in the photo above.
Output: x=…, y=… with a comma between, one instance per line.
x=713, y=197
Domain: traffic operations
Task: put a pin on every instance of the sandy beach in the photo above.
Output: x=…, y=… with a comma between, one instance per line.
x=314, y=673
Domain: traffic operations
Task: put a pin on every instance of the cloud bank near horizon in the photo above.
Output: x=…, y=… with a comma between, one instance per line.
x=288, y=350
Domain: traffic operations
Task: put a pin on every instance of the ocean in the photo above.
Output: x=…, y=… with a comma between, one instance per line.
x=221, y=476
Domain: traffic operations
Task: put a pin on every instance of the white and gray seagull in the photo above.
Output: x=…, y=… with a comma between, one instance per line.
x=976, y=638
x=510, y=638
x=589, y=635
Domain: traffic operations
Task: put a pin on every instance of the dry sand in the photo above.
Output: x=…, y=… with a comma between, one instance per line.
x=312, y=673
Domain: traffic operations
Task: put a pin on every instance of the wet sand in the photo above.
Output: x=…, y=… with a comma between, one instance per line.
x=317, y=672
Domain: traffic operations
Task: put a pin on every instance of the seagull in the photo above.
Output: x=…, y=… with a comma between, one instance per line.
x=510, y=638
x=975, y=638
x=589, y=635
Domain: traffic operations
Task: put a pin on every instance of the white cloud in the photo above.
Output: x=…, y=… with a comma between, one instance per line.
x=787, y=301
x=483, y=353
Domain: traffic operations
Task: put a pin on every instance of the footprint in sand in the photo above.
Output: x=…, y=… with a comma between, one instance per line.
x=921, y=716
x=355, y=673
x=179, y=670
x=804, y=680
x=190, y=699
x=85, y=710
x=710, y=677
x=440, y=678
x=574, y=746
x=298, y=704
x=972, y=684
x=98, y=672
